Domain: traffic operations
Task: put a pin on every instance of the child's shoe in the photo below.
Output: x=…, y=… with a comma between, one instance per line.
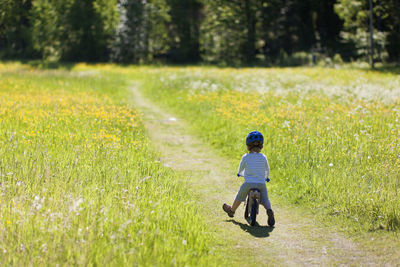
x=271, y=218
x=228, y=209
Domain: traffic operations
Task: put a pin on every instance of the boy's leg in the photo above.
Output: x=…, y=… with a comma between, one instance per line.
x=271, y=217
x=240, y=197
x=228, y=210
x=264, y=197
x=270, y=213
x=267, y=205
x=235, y=205
x=231, y=210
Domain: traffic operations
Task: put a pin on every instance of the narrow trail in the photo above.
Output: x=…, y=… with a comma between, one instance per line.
x=296, y=240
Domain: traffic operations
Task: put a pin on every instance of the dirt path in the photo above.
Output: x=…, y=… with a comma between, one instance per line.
x=295, y=241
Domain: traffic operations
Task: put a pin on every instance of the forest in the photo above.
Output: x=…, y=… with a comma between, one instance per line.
x=231, y=32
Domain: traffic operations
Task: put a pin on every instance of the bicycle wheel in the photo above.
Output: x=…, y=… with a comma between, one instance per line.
x=253, y=213
x=246, y=211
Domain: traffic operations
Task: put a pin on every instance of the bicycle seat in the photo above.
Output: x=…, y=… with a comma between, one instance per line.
x=254, y=193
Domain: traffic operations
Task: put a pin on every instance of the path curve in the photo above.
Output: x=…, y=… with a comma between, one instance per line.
x=297, y=240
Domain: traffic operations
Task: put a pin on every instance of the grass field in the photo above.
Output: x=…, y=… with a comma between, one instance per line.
x=332, y=136
x=79, y=181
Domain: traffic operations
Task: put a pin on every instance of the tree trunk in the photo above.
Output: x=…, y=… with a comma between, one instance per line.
x=251, y=32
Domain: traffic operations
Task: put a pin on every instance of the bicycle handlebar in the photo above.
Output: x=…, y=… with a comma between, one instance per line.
x=267, y=179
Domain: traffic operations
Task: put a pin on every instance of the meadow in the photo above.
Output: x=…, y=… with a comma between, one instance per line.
x=80, y=183
x=332, y=135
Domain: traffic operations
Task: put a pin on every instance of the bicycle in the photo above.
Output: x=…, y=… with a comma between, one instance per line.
x=252, y=205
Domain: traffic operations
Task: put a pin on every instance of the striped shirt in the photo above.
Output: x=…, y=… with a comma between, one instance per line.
x=254, y=167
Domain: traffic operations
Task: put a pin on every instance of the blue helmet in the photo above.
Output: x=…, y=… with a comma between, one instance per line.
x=254, y=136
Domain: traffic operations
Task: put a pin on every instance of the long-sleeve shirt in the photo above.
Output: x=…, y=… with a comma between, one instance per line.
x=254, y=167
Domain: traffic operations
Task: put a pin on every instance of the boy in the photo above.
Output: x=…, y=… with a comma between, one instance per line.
x=255, y=169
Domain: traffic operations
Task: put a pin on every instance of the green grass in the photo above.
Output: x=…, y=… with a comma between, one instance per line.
x=332, y=136
x=79, y=181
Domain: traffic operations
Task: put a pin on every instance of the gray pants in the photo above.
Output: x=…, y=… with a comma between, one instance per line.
x=245, y=188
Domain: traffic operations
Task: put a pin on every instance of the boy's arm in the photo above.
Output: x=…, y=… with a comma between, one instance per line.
x=241, y=167
x=266, y=168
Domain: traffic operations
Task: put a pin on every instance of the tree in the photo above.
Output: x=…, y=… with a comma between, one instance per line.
x=327, y=25
x=392, y=8
x=142, y=33
x=287, y=27
x=355, y=14
x=159, y=38
x=47, y=28
x=89, y=24
x=15, y=36
x=224, y=32
x=132, y=38
x=250, y=20
x=184, y=27
x=73, y=30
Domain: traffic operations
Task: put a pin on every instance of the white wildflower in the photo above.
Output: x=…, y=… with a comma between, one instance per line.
x=44, y=248
x=38, y=202
x=76, y=205
x=286, y=124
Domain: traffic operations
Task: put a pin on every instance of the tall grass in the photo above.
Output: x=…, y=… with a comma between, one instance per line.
x=79, y=183
x=332, y=136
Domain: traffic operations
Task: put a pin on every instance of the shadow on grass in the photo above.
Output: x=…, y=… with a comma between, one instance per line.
x=256, y=230
x=49, y=65
x=392, y=68
x=389, y=69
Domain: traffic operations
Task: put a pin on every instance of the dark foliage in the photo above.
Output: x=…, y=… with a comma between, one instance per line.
x=189, y=31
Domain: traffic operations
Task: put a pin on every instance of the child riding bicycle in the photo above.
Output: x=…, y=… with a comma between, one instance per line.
x=255, y=170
